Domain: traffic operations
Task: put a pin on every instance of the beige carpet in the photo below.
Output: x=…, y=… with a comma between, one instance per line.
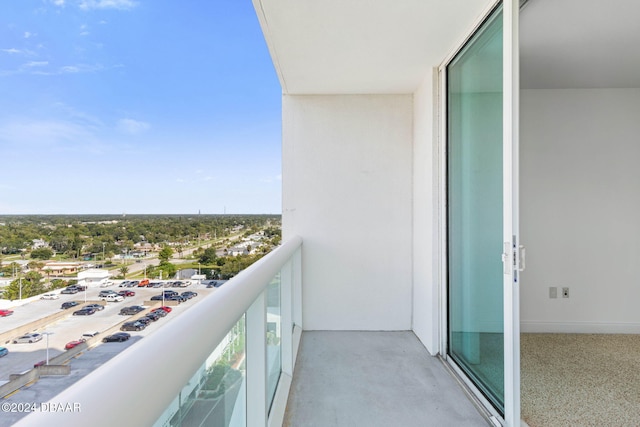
x=580, y=380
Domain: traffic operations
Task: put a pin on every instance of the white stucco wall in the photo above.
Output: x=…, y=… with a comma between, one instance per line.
x=580, y=198
x=425, y=195
x=347, y=191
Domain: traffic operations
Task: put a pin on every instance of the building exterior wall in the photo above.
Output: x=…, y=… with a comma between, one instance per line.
x=347, y=191
x=426, y=290
x=579, y=209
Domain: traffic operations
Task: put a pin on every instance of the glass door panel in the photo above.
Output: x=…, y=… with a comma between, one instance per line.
x=475, y=209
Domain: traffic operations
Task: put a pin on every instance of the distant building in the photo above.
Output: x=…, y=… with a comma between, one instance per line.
x=93, y=276
x=61, y=268
x=39, y=243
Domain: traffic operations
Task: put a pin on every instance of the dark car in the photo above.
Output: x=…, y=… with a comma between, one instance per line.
x=134, y=309
x=96, y=307
x=189, y=294
x=133, y=283
x=160, y=312
x=70, y=290
x=132, y=326
x=154, y=315
x=178, y=298
x=68, y=304
x=84, y=312
x=157, y=298
x=144, y=320
x=124, y=284
x=117, y=337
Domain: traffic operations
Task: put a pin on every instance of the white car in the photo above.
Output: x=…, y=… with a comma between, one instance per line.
x=28, y=338
x=50, y=296
x=112, y=298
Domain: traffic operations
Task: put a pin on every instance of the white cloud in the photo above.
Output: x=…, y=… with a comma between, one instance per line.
x=132, y=127
x=58, y=2
x=58, y=135
x=28, y=34
x=35, y=64
x=11, y=51
x=79, y=68
x=107, y=4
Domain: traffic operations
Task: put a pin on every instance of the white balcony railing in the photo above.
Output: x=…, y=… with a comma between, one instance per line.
x=157, y=381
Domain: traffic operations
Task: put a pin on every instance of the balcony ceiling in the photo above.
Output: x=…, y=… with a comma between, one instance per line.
x=387, y=46
x=362, y=46
x=580, y=44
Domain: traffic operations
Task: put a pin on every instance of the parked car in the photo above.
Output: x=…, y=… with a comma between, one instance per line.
x=134, y=309
x=157, y=298
x=123, y=284
x=154, y=285
x=70, y=290
x=50, y=296
x=40, y=363
x=90, y=334
x=127, y=293
x=5, y=313
x=160, y=311
x=84, y=312
x=68, y=304
x=96, y=307
x=143, y=283
x=178, y=298
x=165, y=309
x=105, y=293
x=75, y=343
x=30, y=338
x=106, y=284
x=117, y=337
x=3, y=351
x=189, y=294
x=132, y=326
x=154, y=316
x=144, y=320
x=169, y=293
x=133, y=284
x=113, y=298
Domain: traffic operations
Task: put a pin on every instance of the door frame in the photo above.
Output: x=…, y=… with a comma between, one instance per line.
x=512, y=256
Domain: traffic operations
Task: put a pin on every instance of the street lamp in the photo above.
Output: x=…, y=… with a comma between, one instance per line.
x=103, y=244
x=47, y=334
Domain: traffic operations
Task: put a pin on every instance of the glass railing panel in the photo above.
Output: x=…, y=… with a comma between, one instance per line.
x=216, y=395
x=274, y=337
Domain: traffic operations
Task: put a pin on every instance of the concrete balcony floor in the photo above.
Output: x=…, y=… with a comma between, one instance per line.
x=352, y=379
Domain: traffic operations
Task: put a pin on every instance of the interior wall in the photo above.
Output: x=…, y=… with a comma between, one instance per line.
x=347, y=191
x=580, y=205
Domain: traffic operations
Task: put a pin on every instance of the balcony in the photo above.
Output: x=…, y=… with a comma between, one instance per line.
x=228, y=361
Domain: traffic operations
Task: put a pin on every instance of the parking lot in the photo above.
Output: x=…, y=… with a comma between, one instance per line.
x=22, y=357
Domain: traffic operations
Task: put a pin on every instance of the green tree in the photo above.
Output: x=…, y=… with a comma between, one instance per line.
x=35, y=265
x=42, y=253
x=165, y=254
x=168, y=270
x=208, y=256
x=123, y=271
x=31, y=284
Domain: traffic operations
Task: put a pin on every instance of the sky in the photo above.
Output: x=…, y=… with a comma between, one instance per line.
x=137, y=106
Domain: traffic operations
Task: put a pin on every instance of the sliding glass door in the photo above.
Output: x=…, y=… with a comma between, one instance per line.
x=482, y=249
